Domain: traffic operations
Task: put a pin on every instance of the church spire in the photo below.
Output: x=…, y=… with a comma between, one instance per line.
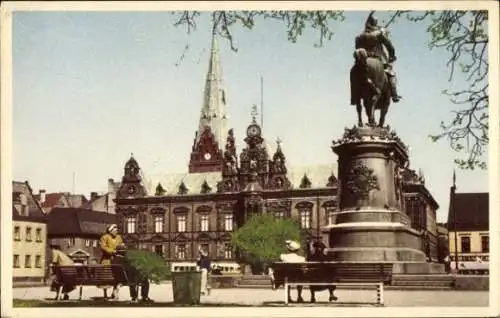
x=211, y=135
x=213, y=111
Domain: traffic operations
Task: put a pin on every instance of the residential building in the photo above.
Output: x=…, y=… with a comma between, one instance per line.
x=29, y=236
x=468, y=226
x=48, y=201
x=78, y=231
x=103, y=202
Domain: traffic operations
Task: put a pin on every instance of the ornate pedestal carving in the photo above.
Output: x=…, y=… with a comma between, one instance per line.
x=371, y=224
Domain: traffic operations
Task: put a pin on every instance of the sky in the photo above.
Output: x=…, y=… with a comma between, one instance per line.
x=90, y=88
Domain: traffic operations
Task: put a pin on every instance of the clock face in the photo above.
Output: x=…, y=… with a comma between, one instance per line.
x=131, y=189
x=253, y=130
x=207, y=156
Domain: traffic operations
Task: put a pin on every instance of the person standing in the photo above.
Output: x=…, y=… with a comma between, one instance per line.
x=59, y=258
x=108, y=243
x=134, y=276
x=204, y=264
x=447, y=263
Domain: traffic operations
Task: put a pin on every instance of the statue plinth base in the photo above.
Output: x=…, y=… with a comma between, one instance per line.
x=371, y=225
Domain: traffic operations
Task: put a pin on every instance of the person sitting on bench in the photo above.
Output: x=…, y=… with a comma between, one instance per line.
x=59, y=258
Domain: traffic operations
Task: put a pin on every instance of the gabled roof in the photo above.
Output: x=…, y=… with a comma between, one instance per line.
x=51, y=199
x=22, y=191
x=77, y=221
x=472, y=211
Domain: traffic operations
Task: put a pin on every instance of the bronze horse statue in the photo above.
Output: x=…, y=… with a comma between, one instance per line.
x=370, y=85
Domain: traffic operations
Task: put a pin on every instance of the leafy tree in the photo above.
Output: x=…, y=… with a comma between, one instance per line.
x=262, y=239
x=463, y=34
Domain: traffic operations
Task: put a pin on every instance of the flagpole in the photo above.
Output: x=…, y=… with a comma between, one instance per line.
x=261, y=102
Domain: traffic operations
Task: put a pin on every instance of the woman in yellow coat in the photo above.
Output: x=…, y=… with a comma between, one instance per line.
x=108, y=243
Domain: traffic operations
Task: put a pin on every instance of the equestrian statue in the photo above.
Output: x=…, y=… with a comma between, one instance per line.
x=373, y=80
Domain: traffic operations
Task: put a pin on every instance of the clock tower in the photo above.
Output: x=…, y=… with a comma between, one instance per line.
x=206, y=154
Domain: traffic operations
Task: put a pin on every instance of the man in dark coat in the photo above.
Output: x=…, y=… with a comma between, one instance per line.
x=134, y=277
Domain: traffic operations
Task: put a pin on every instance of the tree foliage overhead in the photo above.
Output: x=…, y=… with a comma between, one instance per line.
x=464, y=34
x=262, y=238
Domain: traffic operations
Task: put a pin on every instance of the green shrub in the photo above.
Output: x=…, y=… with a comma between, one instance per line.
x=145, y=264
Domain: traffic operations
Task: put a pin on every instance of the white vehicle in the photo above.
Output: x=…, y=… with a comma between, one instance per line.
x=470, y=267
x=226, y=268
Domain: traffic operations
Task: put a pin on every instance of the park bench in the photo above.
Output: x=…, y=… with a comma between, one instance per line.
x=89, y=275
x=333, y=273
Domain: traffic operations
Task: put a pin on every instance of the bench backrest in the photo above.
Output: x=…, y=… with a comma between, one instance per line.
x=91, y=274
x=332, y=272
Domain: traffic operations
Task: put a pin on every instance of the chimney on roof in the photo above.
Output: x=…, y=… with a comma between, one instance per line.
x=93, y=196
x=42, y=193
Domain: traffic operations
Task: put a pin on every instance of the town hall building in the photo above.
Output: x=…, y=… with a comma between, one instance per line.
x=176, y=214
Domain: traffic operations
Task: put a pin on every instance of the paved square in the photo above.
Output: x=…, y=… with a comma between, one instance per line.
x=268, y=297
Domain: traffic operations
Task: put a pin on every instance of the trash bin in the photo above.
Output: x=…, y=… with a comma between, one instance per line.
x=186, y=286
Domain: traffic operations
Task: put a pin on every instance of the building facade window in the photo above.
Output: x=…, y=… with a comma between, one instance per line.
x=181, y=251
x=28, y=234
x=87, y=243
x=142, y=223
x=305, y=219
x=71, y=241
x=228, y=251
x=181, y=223
x=38, y=235
x=94, y=243
x=330, y=217
x=131, y=224
x=485, y=244
x=27, y=261
x=158, y=249
x=17, y=233
x=15, y=262
x=465, y=244
x=158, y=224
x=228, y=222
x=279, y=214
x=38, y=261
x=204, y=223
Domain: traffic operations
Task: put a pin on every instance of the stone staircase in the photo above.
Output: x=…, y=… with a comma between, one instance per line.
x=399, y=282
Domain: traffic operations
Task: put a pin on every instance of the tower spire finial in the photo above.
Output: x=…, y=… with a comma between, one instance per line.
x=254, y=113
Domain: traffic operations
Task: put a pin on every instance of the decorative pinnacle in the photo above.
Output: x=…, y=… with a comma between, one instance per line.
x=278, y=143
x=254, y=113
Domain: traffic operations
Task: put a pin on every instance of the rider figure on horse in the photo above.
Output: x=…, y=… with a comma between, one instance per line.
x=373, y=40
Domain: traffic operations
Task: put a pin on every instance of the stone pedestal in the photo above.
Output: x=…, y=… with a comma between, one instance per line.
x=371, y=224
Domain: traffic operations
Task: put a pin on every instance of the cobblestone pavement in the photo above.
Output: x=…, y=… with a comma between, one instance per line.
x=268, y=297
